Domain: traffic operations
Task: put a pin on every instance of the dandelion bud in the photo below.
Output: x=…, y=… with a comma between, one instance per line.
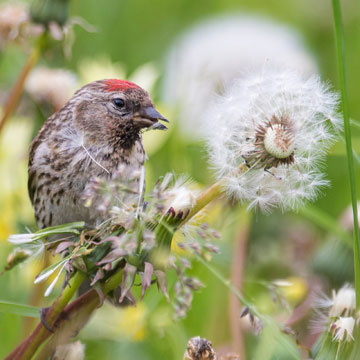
x=176, y=197
x=48, y=11
x=268, y=135
x=181, y=199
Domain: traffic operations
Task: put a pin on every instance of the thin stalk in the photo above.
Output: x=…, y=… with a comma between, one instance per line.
x=340, y=52
x=17, y=90
x=238, y=264
x=230, y=286
x=28, y=348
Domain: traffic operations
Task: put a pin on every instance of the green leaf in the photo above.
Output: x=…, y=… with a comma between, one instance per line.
x=70, y=228
x=44, y=274
x=63, y=227
x=60, y=229
x=19, y=309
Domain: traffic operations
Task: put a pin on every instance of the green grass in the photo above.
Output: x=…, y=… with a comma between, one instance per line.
x=340, y=53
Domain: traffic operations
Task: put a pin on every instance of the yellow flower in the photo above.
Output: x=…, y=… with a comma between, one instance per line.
x=294, y=289
x=118, y=323
x=14, y=202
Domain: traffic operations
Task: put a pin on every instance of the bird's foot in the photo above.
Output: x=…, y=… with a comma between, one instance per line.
x=43, y=313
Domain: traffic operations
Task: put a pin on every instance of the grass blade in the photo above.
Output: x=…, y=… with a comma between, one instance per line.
x=340, y=52
x=19, y=309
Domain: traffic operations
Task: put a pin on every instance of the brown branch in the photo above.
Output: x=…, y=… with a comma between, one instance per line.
x=74, y=317
x=237, y=275
x=84, y=305
x=17, y=90
x=29, y=346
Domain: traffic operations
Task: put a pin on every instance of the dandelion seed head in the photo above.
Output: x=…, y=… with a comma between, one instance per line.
x=54, y=86
x=268, y=136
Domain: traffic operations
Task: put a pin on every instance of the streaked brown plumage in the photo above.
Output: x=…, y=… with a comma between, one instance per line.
x=97, y=130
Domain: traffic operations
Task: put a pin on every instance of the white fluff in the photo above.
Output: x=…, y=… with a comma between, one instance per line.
x=206, y=59
x=344, y=328
x=341, y=303
x=251, y=102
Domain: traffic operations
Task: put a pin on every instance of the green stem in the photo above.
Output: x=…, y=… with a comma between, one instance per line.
x=230, y=286
x=29, y=347
x=340, y=52
x=212, y=193
x=113, y=282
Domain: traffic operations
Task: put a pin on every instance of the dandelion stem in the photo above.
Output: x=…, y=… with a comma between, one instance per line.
x=340, y=52
x=206, y=197
x=16, y=91
x=28, y=348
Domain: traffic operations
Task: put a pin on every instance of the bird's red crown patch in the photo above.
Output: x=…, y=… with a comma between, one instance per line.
x=119, y=85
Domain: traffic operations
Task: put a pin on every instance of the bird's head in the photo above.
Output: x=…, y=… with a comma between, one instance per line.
x=112, y=108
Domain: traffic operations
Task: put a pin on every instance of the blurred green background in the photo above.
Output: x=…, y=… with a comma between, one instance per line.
x=287, y=246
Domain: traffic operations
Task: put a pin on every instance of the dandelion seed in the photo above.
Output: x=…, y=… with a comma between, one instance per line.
x=342, y=302
x=343, y=329
x=268, y=136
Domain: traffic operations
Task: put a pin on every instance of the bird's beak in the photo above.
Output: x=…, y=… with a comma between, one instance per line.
x=149, y=117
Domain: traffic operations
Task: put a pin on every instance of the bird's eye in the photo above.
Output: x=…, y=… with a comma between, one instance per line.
x=120, y=103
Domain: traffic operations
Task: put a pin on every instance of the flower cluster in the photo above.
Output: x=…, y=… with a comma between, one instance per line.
x=184, y=288
x=126, y=238
x=268, y=136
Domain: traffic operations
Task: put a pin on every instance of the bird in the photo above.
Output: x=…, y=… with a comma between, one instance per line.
x=94, y=134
